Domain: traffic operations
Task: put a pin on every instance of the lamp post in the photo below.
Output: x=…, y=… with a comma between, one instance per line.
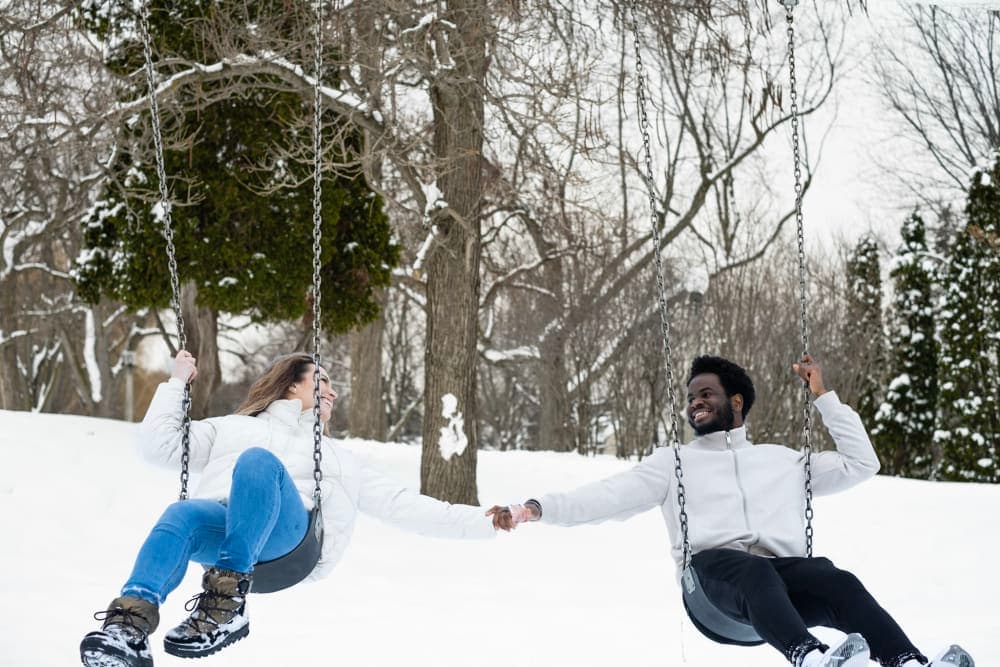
x=128, y=358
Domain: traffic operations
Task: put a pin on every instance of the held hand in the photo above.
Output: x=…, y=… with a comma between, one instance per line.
x=507, y=517
x=812, y=373
x=184, y=366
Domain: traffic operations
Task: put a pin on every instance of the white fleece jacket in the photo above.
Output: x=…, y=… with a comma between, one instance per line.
x=348, y=484
x=738, y=495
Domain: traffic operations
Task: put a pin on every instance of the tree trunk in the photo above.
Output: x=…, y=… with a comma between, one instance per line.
x=201, y=328
x=13, y=395
x=555, y=422
x=448, y=462
x=555, y=428
x=366, y=416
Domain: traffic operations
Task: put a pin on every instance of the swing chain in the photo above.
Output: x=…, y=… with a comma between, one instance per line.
x=661, y=288
x=317, y=238
x=168, y=235
x=803, y=321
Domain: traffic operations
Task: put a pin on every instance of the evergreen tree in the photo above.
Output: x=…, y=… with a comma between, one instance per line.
x=904, y=425
x=863, y=326
x=969, y=424
x=243, y=235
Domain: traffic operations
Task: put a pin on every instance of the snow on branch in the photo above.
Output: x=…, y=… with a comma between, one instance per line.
x=5, y=339
x=523, y=353
x=418, y=262
x=343, y=102
x=41, y=267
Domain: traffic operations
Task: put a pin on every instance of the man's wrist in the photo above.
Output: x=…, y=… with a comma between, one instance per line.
x=535, y=506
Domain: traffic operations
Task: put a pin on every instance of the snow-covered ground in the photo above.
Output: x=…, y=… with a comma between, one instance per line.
x=75, y=503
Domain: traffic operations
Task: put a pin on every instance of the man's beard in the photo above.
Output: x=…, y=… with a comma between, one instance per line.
x=722, y=421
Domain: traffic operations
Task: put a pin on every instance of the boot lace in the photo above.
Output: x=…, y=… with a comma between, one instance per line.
x=201, y=606
x=123, y=617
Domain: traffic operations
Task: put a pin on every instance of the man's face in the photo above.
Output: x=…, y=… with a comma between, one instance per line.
x=708, y=408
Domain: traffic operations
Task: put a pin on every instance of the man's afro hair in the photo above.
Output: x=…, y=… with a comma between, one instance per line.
x=733, y=378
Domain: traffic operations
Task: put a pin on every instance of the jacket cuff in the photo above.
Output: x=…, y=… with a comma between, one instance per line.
x=826, y=401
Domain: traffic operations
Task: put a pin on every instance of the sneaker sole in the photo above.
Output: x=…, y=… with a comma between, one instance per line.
x=182, y=651
x=857, y=660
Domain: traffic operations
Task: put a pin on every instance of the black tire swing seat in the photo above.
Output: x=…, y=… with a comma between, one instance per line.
x=277, y=574
x=711, y=621
x=704, y=613
x=293, y=567
x=285, y=571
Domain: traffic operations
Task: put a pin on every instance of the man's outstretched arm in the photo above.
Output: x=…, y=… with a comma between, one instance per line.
x=614, y=498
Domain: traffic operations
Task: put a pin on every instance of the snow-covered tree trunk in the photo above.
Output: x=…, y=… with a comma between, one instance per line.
x=448, y=463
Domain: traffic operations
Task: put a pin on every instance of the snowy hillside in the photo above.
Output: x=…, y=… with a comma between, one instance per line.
x=75, y=503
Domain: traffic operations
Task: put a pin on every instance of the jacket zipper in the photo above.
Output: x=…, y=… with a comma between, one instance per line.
x=739, y=482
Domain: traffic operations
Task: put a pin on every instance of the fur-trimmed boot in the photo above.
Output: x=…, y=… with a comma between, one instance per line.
x=123, y=640
x=218, y=616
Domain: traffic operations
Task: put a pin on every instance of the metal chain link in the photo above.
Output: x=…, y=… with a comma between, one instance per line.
x=168, y=234
x=661, y=288
x=317, y=238
x=803, y=320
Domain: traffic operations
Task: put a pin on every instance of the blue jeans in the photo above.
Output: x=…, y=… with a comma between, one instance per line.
x=263, y=520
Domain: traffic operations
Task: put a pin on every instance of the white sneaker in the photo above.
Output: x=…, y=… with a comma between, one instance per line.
x=852, y=652
x=953, y=655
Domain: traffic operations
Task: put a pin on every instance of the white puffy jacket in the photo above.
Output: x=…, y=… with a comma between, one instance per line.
x=738, y=495
x=348, y=484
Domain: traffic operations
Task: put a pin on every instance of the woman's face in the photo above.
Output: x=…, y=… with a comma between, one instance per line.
x=303, y=390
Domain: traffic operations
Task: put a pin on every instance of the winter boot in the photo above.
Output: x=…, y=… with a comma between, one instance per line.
x=852, y=652
x=122, y=640
x=218, y=616
x=953, y=655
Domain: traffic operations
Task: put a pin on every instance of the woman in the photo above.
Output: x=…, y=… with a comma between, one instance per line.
x=251, y=505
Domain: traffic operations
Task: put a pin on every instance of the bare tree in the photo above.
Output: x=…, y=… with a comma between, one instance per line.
x=940, y=73
x=57, y=352
x=571, y=187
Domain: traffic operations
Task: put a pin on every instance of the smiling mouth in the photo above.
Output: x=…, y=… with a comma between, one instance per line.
x=700, y=415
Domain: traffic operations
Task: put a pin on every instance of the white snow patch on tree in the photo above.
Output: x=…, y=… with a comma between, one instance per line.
x=434, y=198
x=696, y=279
x=90, y=358
x=453, y=440
x=523, y=352
x=900, y=381
x=160, y=212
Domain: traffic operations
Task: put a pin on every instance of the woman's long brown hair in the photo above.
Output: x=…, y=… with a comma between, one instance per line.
x=274, y=383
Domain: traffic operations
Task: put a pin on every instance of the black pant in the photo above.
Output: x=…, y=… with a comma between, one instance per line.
x=783, y=597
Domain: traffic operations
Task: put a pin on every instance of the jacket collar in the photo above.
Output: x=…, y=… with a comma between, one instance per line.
x=289, y=412
x=718, y=441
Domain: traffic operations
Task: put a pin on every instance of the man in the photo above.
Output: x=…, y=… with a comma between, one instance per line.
x=745, y=505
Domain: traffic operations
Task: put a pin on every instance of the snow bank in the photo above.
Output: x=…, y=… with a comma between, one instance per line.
x=75, y=503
